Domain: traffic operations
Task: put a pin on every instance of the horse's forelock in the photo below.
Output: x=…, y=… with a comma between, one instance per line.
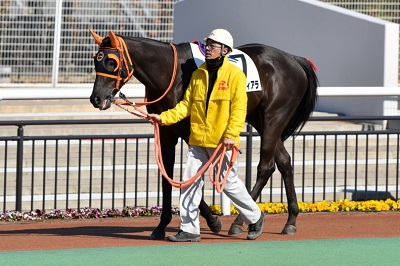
x=106, y=42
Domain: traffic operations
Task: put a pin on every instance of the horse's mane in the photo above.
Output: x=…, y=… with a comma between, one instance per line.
x=145, y=40
x=250, y=44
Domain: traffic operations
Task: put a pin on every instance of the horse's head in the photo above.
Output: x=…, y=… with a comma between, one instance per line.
x=113, y=67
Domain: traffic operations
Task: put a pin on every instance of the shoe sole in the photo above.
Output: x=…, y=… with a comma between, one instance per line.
x=174, y=239
x=254, y=237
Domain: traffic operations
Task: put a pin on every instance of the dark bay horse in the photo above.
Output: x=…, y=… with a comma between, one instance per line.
x=278, y=111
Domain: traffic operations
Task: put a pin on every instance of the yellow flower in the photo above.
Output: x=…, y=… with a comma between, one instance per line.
x=323, y=206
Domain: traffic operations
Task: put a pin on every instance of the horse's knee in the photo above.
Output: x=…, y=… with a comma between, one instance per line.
x=286, y=169
x=263, y=175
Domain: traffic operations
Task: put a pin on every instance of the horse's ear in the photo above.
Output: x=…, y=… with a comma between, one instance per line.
x=96, y=37
x=114, y=39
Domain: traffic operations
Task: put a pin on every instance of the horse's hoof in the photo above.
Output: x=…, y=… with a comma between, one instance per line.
x=289, y=230
x=215, y=226
x=157, y=235
x=235, y=229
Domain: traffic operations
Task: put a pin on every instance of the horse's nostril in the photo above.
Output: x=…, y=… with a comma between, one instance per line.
x=95, y=100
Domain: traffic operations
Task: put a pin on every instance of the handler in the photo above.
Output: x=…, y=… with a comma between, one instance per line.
x=216, y=101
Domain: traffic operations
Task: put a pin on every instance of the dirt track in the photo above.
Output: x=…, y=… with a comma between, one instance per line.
x=113, y=232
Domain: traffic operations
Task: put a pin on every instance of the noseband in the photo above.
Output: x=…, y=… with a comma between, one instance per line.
x=123, y=69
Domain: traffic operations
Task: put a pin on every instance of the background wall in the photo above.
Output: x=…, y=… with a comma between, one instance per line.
x=349, y=49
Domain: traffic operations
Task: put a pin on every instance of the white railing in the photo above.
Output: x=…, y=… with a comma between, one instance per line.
x=358, y=91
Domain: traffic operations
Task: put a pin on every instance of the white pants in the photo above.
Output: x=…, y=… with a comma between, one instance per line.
x=234, y=188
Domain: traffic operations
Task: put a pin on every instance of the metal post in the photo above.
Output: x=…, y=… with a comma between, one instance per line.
x=20, y=158
x=249, y=148
x=225, y=204
x=57, y=43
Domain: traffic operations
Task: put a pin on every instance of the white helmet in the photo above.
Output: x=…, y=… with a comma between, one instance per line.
x=222, y=36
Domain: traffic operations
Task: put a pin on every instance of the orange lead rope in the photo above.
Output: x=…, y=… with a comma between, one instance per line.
x=214, y=159
x=219, y=185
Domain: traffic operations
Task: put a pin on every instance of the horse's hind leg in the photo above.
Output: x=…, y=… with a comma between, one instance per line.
x=283, y=162
x=265, y=169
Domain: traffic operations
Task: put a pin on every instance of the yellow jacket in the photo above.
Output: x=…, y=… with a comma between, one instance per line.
x=227, y=106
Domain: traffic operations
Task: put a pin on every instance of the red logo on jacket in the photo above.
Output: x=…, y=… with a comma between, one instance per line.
x=223, y=85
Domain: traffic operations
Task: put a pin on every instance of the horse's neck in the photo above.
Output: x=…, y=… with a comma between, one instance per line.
x=154, y=63
x=149, y=58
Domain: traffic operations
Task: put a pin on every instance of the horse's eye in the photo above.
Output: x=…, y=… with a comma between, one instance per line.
x=111, y=65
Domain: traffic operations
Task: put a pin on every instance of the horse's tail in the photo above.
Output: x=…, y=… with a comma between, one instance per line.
x=307, y=104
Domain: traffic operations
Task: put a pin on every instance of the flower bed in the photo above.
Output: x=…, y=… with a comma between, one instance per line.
x=272, y=208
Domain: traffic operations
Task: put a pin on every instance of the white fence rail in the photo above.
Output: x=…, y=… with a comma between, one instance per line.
x=358, y=91
x=83, y=91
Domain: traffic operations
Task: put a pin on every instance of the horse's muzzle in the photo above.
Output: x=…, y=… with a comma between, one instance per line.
x=97, y=102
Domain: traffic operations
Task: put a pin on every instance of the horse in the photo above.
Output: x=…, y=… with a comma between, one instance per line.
x=278, y=111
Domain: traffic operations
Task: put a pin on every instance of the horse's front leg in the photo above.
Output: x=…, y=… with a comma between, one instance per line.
x=168, y=143
x=166, y=214
x=213, y=222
